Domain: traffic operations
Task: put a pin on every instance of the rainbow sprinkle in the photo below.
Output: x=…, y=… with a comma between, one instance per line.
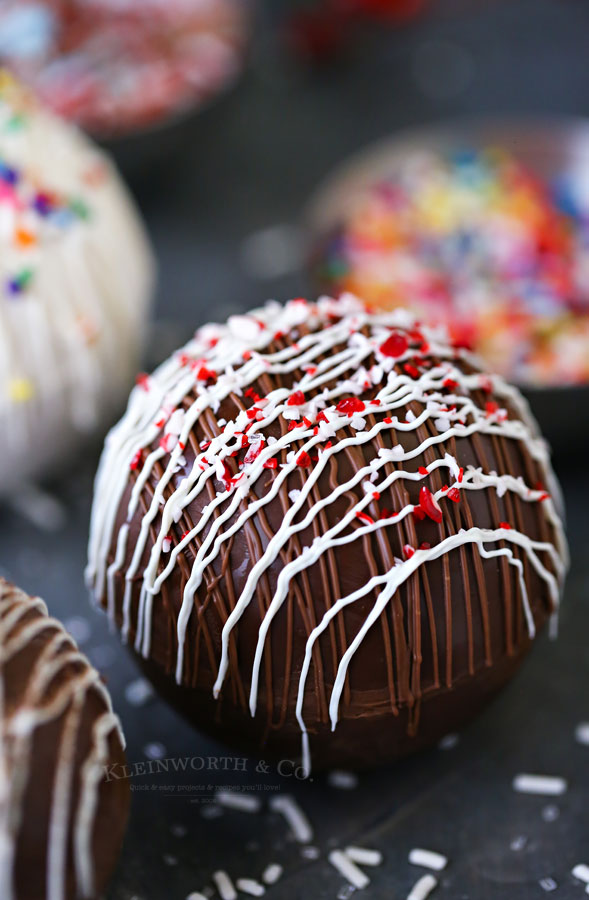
x=475, y=240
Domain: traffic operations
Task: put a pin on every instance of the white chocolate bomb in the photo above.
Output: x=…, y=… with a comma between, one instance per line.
x=76, y=278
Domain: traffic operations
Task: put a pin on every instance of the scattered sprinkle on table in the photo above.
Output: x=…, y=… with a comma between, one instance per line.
x=581, y=871
x=239, y=801
x=428, y=858
x=344, y=781
x=138, y=692
x=295, y=817
x=224, y=885
x=550, y=812
x=272, y=873
x=250, y=886
x=422, y=888
x=449, y=741
x=196, y=895
x=548, y=884
x=547, y=785
x=154, y=750
x=582, y=733
x=350, y=871
x=364, y=856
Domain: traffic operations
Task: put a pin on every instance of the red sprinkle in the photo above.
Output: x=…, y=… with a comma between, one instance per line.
x=253, y=452
x=350, y=405
x=460, y=475
x=303, y=459
x=418, y=513
x=491, y=407
x=454, y=494
x=205, y=374
x=296, y=399
x=425, y=546
x=387, y=420
x=271, y=463
x=376, y=495
x=364, y=517
x=422, y=470
x=395, y=345
x=408, y=551
x=321, y=417
x=411, y=370
x=136, y=460
x=430, y=505
x=142, y=381
x=505, y=525
x=450, y=384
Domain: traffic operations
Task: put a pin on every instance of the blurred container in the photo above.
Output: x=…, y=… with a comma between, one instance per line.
x=552, y=149
x=123, y=69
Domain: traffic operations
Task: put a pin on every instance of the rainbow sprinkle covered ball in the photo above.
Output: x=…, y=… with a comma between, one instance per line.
x=474, y=240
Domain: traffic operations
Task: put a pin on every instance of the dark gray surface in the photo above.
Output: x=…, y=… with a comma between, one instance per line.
x=248, y=164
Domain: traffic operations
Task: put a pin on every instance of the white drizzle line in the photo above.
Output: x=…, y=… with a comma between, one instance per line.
x=16, y=735
x=342, y=374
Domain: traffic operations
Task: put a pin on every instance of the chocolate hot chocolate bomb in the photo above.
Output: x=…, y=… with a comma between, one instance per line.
x=319, y=522
x=62, y=820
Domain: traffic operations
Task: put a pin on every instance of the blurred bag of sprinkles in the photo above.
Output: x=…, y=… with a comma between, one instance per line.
x=477, y=241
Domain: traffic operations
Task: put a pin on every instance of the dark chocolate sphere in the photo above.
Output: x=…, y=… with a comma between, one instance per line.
x=316, y=521
x=63, y=818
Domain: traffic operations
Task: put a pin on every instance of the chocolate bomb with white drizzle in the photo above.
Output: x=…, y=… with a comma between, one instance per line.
x=324, y=522
x=62, y=820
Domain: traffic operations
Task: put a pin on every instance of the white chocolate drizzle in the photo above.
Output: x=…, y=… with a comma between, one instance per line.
x=22, y=620
x=341, y=339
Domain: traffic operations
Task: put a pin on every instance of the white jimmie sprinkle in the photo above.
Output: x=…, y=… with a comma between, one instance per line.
x=548, y=785
x=272, y=873
x=363, y=856
x=250, y=886
x=344, y=781
x=224, y=885
x=237, y=800
x=422, y=888
x=581, y=871
x=429, y=859
x=295, y=817
x=355, y=876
